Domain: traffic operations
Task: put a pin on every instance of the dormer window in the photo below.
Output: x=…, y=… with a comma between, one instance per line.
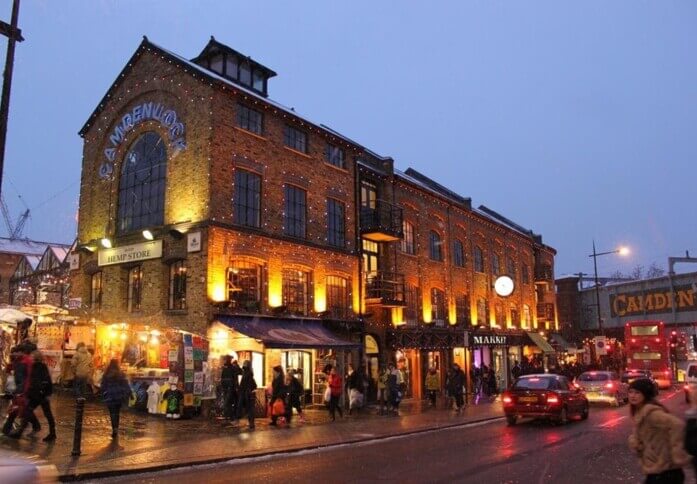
x=231, y=67
x=217, y=63
x=245, y=74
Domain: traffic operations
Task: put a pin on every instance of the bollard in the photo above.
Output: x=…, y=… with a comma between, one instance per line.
x=77, y=435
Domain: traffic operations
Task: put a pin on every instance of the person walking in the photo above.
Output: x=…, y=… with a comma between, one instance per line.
x=382, y=390
x=229, y=381
x=115, y=390
x=394, y=389
x=246, y=394
x=39, y=389
x=295, y=393
x=82, y=369
x=22, y=366
x=432, y=386
x=456, y=386
x=279, y=391
x=335, y=386
x=356, y=389
x=658, y=437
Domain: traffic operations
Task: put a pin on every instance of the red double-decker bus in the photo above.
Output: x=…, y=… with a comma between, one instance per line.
x=647, y=349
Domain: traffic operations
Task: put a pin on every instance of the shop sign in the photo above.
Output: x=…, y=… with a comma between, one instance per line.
x=74, y=259
x=130, y=253
x=663, y=300
x=489, y=339
x=193, y=242
x=371, y=346
x=147, y=111
x=75, y=303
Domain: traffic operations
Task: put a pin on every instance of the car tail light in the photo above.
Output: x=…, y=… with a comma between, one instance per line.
x=552, y=398
x=667, y=372
x=609, y=385
x=658, y=340
x=687, y=387
x=507, y=399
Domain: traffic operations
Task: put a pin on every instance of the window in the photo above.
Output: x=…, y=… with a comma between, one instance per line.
x=231, y=66
x=435, y=249
x=258, y=80
x=247, y=198
x=462, y=309
x=249, y=119
x=96, y=292
x=510, y=268
x=295, y=291
x=337, y=297
x=295, y=211
x=644, y=330
x=438, y=307
x=526, y=274
x=482, y=312
x=244, y=286
x=499, y=315
x=369, y=195
x=527, y=317
x=458, y=254
x=142, y=184
x=408, y=238
x=295, y=139
x=217, y=63
x=245, y=74
x=177, y=285
x=336, y=225
x=495, y=264
x=135, y=288
x=335, y=156
x=478, y=259
x=411, y=311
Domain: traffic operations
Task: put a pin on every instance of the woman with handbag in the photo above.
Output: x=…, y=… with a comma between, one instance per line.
x=279, y=395
x=115, y=390
x=335, y=387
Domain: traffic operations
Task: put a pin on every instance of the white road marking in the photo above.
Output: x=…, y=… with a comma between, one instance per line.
x=611, y=423
x=544, y=473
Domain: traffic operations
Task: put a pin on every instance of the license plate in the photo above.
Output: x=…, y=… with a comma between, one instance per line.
x=527, y=399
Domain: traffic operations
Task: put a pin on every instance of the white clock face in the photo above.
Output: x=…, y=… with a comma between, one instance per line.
x=504, y=286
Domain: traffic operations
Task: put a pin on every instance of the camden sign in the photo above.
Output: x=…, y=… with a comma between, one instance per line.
x=147, y=111
x=653, y=301
x=130, y=253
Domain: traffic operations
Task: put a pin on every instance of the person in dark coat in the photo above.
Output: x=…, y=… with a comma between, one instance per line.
x=456, y=385
x=246, y=394
x=39, y=388
x=115, y=390
x=295, y=393
x=21, y=365
x=229, y=381
x=279, y=391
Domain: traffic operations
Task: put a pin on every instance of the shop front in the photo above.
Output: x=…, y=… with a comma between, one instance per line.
x=494, y=354
x=303, y=347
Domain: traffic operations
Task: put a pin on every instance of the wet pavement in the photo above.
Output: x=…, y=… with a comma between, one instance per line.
x=153, y=442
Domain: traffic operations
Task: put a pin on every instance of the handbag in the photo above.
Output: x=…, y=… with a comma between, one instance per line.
x=327, y=395
x=278, y=408
x=10, y=384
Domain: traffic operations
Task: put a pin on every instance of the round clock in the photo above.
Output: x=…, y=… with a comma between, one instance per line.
x=504, y=286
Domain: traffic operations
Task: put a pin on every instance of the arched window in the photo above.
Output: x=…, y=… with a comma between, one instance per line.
x=438, y=315
x=142, y=184
x=458, y=254
x=436, y=252
x=478, y=259
x=244, y=286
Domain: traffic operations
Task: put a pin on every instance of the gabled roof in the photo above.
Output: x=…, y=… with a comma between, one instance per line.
x=213, y=46
x=24, y=246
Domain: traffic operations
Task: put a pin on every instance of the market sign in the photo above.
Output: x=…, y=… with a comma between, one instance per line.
x=130, y=253
x=489, y=339
x=663, y=300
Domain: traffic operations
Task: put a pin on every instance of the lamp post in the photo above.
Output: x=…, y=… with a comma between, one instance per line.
x=595, y=255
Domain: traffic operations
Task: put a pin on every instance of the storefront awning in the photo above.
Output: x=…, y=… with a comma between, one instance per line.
x=286, y=333
x=540, y=342
x=563, y=345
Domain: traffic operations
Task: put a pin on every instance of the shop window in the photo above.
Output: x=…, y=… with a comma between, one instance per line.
x=336, y=225
x=177, y=285
x=527, y=317
x=438, y=314
x=462, y=309
x=244, y=286
x=298, y=363
x=96, y=291
x=482, y=312
x=142, y=184
x=295, y=291
x=295, y=139
x=334, y=156
x=511, y=268
x=408, y=238
x=338, y=297
x=526, y=274
x=247, y=198
x=411, y=311
x=135, y=288
x=249, y=119
x=295, y=211
x=458, y=254
x=435, y=246
x=495, y=264
x=478, y=259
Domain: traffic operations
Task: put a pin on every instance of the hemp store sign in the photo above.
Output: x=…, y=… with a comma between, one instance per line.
x=130, y=253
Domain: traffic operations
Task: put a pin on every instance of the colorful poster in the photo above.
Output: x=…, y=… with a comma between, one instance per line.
x=173, y=379
x=198, y=377
x=187, y=339
x=188, y=400
x=198, y=365
x=198, y=354
x=198, y=388
x=173, y=355
x=189, y=387
x=197, y=401
x=188, y=358
x=198, y=342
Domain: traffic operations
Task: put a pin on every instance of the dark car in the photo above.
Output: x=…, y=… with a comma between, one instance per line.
x=630, y=375
x=544, y=396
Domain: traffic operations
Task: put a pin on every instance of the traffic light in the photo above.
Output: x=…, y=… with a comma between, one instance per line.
x=673, y=345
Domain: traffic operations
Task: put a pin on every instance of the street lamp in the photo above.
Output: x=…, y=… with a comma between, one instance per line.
x=595, y=255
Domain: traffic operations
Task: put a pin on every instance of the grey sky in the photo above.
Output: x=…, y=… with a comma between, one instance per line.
x=576, y=119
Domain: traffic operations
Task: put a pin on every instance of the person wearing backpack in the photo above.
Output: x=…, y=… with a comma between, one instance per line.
x=658, y=437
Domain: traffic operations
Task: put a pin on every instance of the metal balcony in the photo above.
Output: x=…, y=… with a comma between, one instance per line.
x=385, y=289
x=382, y=223
x=544, y=274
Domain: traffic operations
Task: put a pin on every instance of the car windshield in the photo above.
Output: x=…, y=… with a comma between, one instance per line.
x=535, y=383
x=593, y=377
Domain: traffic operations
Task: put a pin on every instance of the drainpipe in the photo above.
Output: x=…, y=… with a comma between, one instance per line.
x=359, y=253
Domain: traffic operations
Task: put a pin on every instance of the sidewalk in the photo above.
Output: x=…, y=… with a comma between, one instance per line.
x=153, y=443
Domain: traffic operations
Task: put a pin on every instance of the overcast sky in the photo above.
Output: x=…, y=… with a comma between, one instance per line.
x=574, y=119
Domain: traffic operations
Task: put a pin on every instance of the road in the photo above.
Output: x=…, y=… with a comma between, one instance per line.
x=589, y=451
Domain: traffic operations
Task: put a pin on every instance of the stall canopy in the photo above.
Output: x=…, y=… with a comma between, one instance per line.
x=286, y=333
x=540, y=342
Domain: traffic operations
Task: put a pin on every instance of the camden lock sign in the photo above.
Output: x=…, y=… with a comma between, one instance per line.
x=662, y=300
x=130, y=253
x=147, y=111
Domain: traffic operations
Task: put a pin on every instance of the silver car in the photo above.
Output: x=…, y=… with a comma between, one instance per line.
x=603, y=386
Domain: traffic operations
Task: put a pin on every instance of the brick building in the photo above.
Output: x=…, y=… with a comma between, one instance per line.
x=207, y=207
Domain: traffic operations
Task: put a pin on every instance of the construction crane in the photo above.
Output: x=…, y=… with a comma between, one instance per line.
x=14, y=230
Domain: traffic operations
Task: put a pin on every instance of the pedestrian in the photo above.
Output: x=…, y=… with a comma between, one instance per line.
x=432, y=385
x=82, y=369
x=21, y=365
x=39, y=389
x=335, y=386
x=246, y=394
x=382, y=390
x=115, y=390
x=516, y=370
x=229, y=381
x=295, y=393
x=456, y=386
x=356, y=389
x=279, y=391
x=393, y=389
x=658, y=437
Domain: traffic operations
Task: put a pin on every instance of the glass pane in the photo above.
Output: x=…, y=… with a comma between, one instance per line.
x=231, y=67
x=245, y=74
x=217, y=63
x=258, y=83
